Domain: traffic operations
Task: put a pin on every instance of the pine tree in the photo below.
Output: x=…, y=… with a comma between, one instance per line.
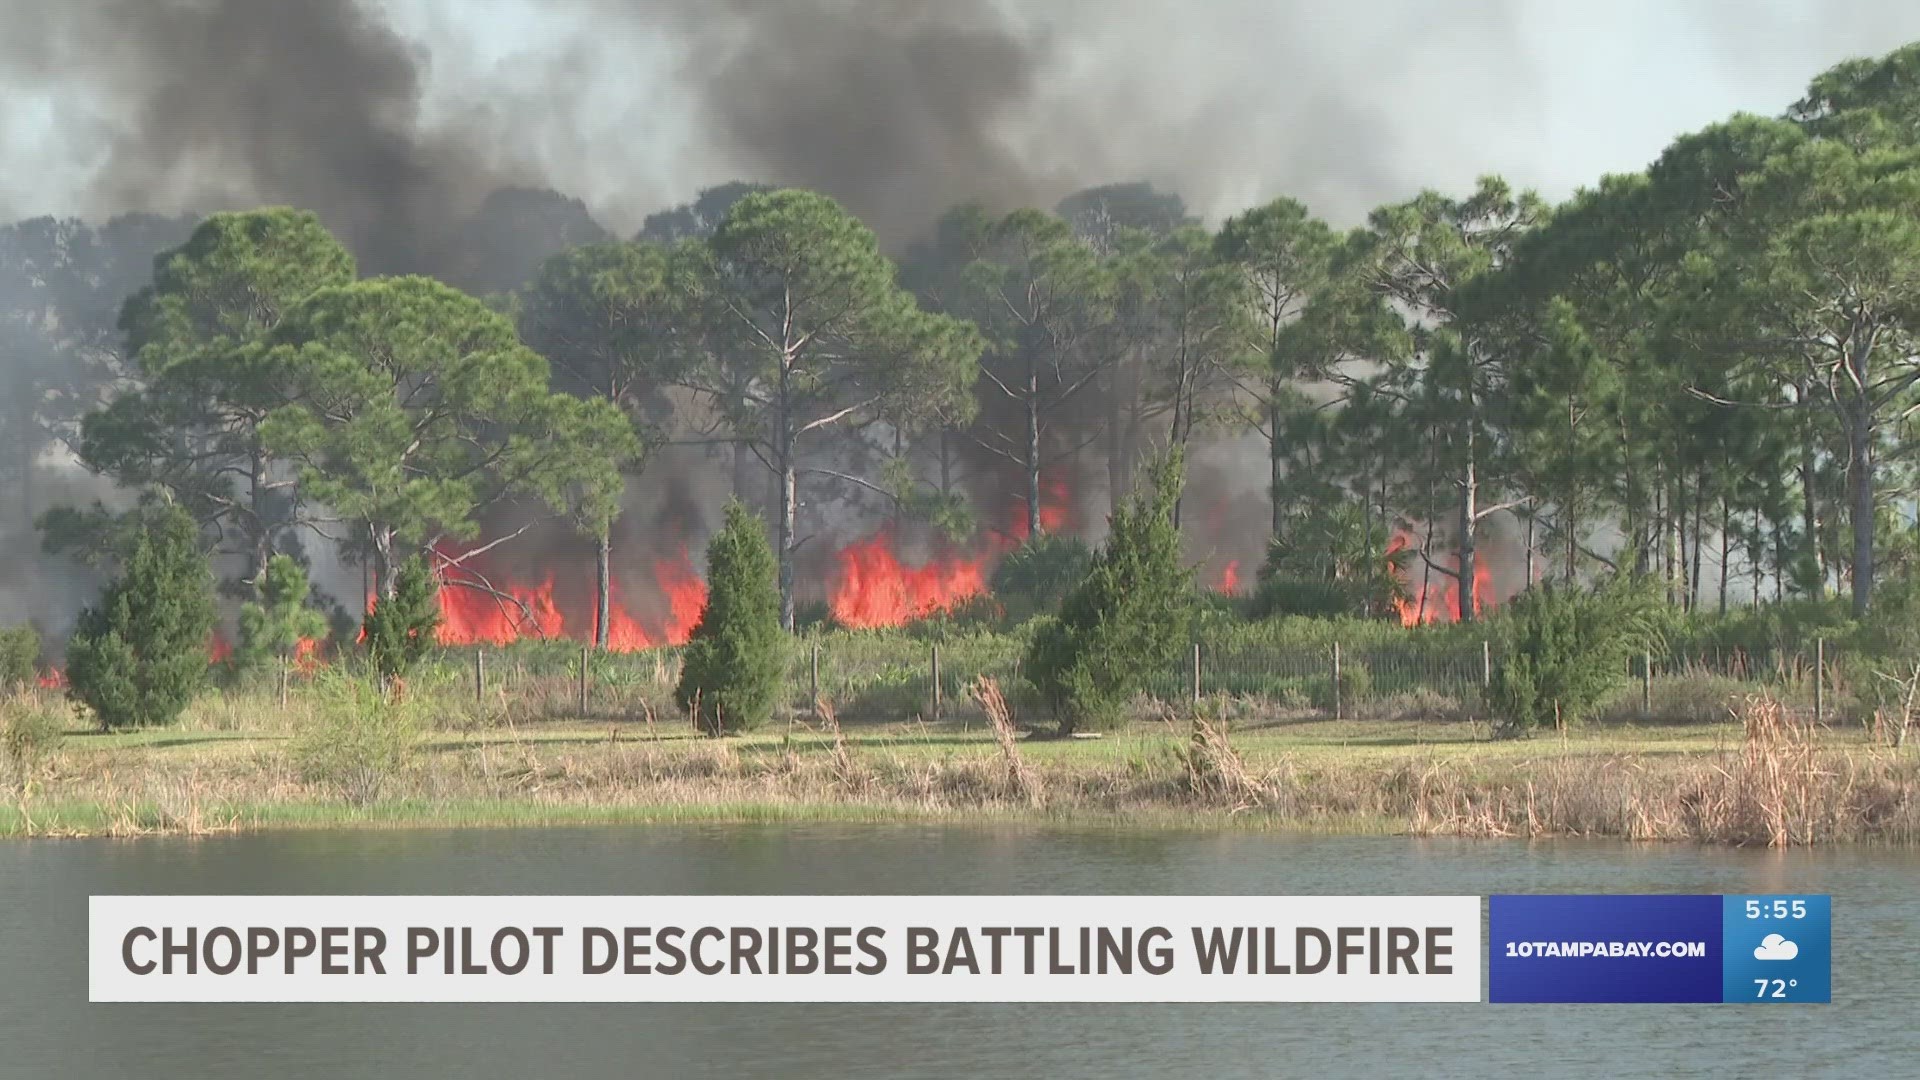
x=1127, y=619
x=736, y=658
x=400, y=628
x=140, y=656
x=273, y=627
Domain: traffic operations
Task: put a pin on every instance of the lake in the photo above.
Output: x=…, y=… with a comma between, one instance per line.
x=47, y=1028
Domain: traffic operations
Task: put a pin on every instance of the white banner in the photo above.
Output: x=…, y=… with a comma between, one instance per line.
x=784, y=948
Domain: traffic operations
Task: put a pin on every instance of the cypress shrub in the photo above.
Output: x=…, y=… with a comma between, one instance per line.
x=735, y=661
x=1126, y=620
x=140, y=656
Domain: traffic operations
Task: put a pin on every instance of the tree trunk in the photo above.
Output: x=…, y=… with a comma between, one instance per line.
x=603, y=595
x=1469, y=512
x=1531, y=518
x=1727, y=527
x=1809, y=515
x=1276, y=474
x=1860, y=490
x=383, y=568
x=1034, y=527
x=1694, y=579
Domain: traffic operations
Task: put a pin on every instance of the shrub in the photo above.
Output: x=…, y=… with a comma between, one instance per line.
x=1126, y=620
x=272, y=627
x=141, y=655
x=1310, y=597
x=30, y=729
x=1563, y=650
x=736, y=659
x=19, y=652
x=1035, y=577
x=358, y=737
x=399, y=630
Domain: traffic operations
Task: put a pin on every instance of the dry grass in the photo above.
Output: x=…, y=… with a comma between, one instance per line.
x=1761, y=776
x=1022, y=781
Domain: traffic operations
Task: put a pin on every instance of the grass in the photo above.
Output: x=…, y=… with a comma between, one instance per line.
x=235, y=763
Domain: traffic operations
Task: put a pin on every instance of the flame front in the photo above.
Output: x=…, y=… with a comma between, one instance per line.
x=876, y=589
x=470, y=616
x=1436, y=598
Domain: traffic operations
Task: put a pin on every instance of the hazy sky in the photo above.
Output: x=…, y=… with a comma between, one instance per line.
x=1343, y=104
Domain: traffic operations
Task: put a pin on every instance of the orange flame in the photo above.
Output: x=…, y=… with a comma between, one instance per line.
x=471, y=616
x=218, y=650
x=1437, y=600
x=53, y=679
x=306, y=656
x=1230, y=578
x=875, y=589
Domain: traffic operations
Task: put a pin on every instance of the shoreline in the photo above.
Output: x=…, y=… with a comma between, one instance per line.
x=1700, y=783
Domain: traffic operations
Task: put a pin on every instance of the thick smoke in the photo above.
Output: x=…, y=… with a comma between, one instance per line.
x=210, y=103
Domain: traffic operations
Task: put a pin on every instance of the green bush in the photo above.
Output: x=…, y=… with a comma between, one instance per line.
x=19, y=652
x=736, y=659
x=140, y=656
x=400, y=628
x=358, y=739
x=30, y=729
x=1035, y=577
x=1127, y=620
x=1312, y=598
x=1563, y=650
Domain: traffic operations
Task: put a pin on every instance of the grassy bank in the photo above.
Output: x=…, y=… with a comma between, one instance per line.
x=236, y=763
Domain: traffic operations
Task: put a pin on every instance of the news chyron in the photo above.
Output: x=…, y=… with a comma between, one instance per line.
x=1665, y=948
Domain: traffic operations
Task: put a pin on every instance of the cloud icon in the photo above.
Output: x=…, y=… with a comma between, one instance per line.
x=1775, y=947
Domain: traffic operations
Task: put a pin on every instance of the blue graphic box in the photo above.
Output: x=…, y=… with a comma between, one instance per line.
x=1529, y=938
x=1663, y=948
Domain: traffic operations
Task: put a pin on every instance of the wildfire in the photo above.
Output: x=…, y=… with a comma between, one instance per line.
x=53, y=679
x=1230, y=578
x=306, y=656
x=1053, y=510
x=218, y=650
x=876, y=589
x=475, y=617
x=1436, y=599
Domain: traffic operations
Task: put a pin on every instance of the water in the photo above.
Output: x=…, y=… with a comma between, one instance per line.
x=47, y=1028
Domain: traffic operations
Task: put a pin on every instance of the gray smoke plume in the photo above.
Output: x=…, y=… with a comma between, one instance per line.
x=212, y=103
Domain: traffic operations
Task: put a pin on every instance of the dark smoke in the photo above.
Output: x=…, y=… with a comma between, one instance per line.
x=896, y=108
x=214, y=103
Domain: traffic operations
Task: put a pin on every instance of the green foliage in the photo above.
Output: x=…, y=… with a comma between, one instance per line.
x=139, y=657
x=735, y=662
x=1317, y=598
x=416, y=407
x=358, y=739
x=272, y=627
x=19, y=653
x=193, y=425
x=31, y=729
x=1127, y=619
x=1035, y=577
x=1563, y=650
x=400, y=628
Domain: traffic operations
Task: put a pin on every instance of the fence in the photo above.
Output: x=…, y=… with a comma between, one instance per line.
x=898, y=679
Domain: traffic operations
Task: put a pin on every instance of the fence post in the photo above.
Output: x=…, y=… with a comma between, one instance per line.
x=1336, y=680
x=1486, y=664
x=479, y=675
x=1196, y=674
x=936, y=682
x=585, y=651
x=1646, y=684
x=286, y=675
x=813, y=680
x=1819, y=680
